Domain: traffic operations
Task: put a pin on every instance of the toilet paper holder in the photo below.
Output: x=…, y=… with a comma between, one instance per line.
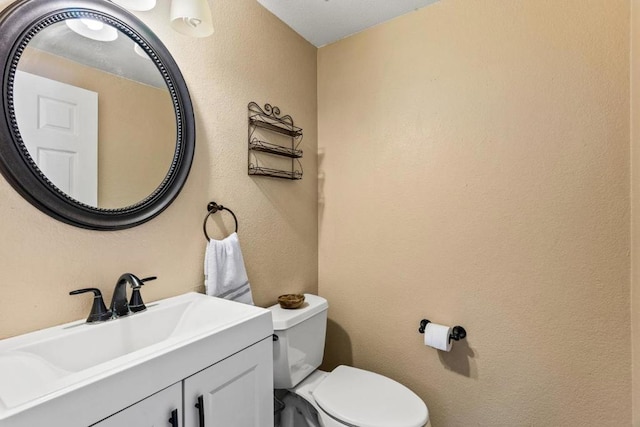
x=457, y=332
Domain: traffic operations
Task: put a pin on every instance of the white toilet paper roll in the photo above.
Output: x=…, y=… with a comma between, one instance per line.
x=437, y=336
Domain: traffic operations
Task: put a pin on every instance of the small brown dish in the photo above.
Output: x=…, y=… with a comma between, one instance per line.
x=291, y=301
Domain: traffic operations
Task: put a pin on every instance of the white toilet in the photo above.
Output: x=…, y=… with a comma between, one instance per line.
x=346, y=396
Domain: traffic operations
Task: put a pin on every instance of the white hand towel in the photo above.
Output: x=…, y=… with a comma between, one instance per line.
x=225, y=275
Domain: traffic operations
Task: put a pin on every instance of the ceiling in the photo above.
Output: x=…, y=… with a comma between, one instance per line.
x=322, y=22
x=115, y=57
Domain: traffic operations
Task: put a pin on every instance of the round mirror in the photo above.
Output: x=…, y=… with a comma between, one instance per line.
x=99, y=128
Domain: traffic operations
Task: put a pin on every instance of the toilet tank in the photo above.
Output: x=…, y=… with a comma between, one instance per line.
x=299, y=347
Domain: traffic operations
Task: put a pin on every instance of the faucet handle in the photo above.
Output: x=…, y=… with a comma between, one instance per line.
x=99, y=312
x=135, y=303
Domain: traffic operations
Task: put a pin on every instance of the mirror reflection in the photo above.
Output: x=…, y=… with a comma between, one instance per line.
x=95, y=113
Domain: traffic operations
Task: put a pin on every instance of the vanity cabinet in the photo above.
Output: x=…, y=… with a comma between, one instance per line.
x=237, y=391
x=137, y=370
x=161, y=409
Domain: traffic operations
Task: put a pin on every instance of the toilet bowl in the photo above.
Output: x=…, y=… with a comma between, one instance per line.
x=346, y=396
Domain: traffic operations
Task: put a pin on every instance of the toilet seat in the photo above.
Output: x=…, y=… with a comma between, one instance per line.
x=365, y=399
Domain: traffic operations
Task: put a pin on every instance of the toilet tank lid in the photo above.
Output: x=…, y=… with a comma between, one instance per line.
x=286, y=318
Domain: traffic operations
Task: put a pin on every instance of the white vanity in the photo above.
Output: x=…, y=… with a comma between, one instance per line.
x=190, y=360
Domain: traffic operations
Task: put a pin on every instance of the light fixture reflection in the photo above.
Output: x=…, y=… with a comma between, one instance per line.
x=141, y=52
x=137, y=5
x=92, y=29
x=191, y=17
x=92, y=24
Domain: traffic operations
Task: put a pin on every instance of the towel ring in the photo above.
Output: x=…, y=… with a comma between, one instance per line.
x=212, y=208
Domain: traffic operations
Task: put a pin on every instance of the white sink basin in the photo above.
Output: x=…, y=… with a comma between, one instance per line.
x=44, y=371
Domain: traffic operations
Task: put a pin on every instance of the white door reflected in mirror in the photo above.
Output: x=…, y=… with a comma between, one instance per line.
x=59, y=126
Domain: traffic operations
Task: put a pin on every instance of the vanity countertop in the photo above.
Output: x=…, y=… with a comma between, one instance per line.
x=87, y=372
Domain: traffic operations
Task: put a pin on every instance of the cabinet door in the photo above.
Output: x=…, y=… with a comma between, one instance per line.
x=163, y=409
x=236, y=392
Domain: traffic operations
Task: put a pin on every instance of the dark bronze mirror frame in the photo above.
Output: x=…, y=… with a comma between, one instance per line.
x=19, y=23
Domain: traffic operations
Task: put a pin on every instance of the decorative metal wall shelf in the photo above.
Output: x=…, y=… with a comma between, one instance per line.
x=267, y=147
x=269, y=119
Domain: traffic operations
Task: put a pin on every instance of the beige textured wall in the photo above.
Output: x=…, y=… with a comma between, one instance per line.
x=635, y=207
x=249, y=58
x=134, y=156
x=476, y=172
